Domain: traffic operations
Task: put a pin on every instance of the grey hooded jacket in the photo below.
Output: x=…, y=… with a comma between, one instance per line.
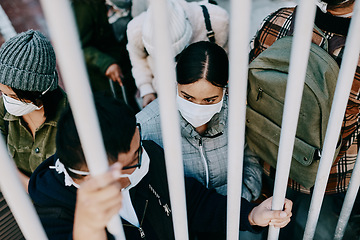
x=205, y=157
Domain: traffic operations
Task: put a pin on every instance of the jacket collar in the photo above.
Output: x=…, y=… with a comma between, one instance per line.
x=139, y=194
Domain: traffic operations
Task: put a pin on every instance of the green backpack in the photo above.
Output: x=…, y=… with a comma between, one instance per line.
x=268, y=74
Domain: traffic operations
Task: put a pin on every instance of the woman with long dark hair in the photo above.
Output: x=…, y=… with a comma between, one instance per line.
x=202, y=76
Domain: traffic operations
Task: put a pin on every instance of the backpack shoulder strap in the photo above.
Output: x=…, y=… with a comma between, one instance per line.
x=318, y=36
x=210, y=33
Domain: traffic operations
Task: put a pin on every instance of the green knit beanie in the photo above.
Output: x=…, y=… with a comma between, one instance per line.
x=28, y=63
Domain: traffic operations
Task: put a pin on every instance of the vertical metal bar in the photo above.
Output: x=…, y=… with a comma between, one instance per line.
x=123, y=91
x=300, y=50
x=112, y=88
x=18, y=201
x=343, y=86
x=165, y=72
x=349, y=201
x=65, y=38
x=6, y=28
x=238, y=75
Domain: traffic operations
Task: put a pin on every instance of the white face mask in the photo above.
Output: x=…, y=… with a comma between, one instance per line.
x=60, y=168
x=139, y=173
x=134, y=177
x=197, y=114
x=18, y=108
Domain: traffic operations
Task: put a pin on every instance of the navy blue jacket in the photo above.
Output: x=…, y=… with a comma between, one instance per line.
x=206, y=209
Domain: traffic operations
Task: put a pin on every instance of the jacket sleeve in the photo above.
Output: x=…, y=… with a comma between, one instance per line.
x=55, y=226
x=269, y=31
x=58, y=227
x=206, y=209
x=85, y=15
x=252, y=176
x=141, y=70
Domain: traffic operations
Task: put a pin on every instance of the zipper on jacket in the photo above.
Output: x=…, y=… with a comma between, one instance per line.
x=205, y=163
x=141, y=231
x=260, y=91
x=142, y=219
x=142, y=234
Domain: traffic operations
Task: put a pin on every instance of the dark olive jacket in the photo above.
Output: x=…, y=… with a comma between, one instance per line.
x=98, y=42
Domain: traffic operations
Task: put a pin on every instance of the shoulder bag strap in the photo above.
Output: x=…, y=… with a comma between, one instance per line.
x=210, y=33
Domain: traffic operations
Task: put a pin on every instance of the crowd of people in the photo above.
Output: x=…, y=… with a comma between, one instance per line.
x=37, y=124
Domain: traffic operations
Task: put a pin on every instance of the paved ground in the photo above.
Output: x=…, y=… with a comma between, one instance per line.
x=260, y=9
x=21, y=15
x=26, y=14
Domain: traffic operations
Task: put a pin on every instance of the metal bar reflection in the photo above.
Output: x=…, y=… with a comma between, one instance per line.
x=294, y=89
x=344, y=83
x=169, y=116
x=61, y=22
x=238, y=67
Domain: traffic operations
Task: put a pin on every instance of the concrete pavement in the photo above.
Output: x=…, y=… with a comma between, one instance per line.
x=28, y=14
x=259, y=10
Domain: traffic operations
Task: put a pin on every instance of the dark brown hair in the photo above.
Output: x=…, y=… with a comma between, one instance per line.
x=203, y=60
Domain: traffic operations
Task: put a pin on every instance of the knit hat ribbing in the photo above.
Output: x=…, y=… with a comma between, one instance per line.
x=179, y=27
x=28, y=62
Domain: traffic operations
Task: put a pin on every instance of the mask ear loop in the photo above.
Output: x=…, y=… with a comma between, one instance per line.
x=42, y=94
x=46, y=90
x=78, y=172
x=226, y=90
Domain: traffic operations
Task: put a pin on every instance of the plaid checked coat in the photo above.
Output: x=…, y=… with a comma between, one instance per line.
x=280, y=24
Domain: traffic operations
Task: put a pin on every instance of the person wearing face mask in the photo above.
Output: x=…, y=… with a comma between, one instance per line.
x=332, y=18
x=189, y=22
x=202, y=76
x=31, y=100
x=74, y=205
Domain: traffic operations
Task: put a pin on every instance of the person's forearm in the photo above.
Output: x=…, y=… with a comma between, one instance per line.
x=24, y=180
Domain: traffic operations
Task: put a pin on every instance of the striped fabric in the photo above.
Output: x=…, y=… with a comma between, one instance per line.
x=277, y=25
x=9, y=230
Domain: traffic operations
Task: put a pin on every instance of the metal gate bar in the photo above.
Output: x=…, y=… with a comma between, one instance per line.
x=300, y=50
x=63, y=30
x=169, y=116
x=343, y=86
x=17, y=199
x=238, y=74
